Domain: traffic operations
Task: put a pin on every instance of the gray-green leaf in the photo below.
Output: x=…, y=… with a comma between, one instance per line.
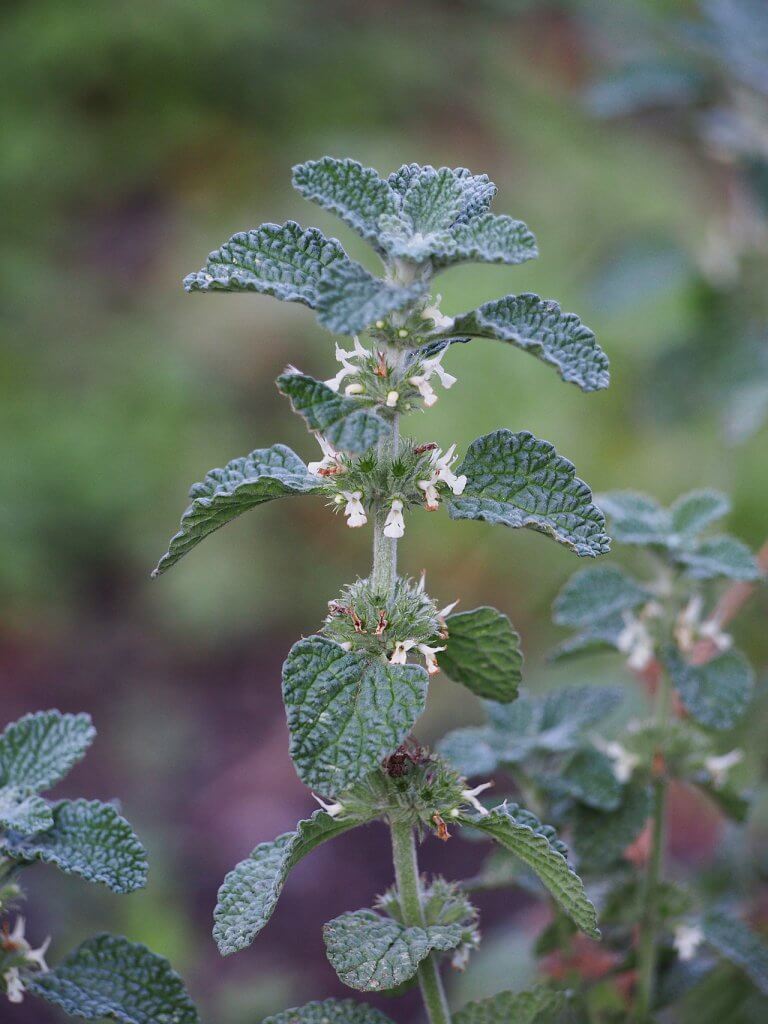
x=283, y=260
x=487, y=239
x=373, y=953
x=89, y=839
x=537, y=1006
x=588, y=776
x=720, y=556
x=226, y=493
x=346, y=712
x=249, y=893
x=342, y=420
x=110, y=977
x=483, y=652
x=518, y=480
x=349, y=299
x=693, y=512
x=540, y=327
x=738, y=944
x=601, y=837
x=39, y=750
x=356, y=193
x=330, y=1011
x=636, y=518
x=715, y=693
x=538, y=852
x=22, y=813
x=596, y=593
x=598, y=636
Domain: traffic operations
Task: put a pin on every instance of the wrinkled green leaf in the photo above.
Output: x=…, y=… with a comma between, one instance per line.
x=355, y=193
x=540, y=327
x=537, y=850
x=735, y=941
x=249, y=893
x=470, y=194
x=22, y=813
x=346, y=712
x=517, y=480
x=342, y=420
x=715, y=693
x=226, y=493
x=373, y=953
x=720, y=556
x=40, y=749
x=330, y=1011
x=110, y=977
x=635, y=518
x=283, y=260
x=487, y=239
x=483, y=652
x=471, y=750
x=596, y=593
x=89, y=839
x=693, y=512
x=588, y=776
x=350, y=299
x=537, y=1006
x=599, y=636
x=601, y=837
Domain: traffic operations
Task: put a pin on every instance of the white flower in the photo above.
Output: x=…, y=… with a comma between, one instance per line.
x=445, y=612
x=687, y=940
x=425, y=389
x=636, y=642
x=442, y=322
x=333, y=809
x=348, y=368
x=442, y=464
x=399, y=655
x=470, y=795
x=354, y=389
x=392, y=399
x=394, y=524
x=624, y=763
x=430, y=656
x=14, y=987
x=354, y=510
x=346, y=645
x=330, y=464
x=431, y=495
x=712, y=630
x=430, y=367
x=719, y=766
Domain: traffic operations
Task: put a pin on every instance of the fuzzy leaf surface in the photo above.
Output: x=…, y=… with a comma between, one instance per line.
x=330, y=1011
x=89, y=839
x=695, y=511
x=226, y=493
x=350, y=299
x=536, y=849
x=594, y=594
x=346, y=712
x=487, y=239
x=635, y=518
x=518, y=480
x=355, y=193
x=22, y=813
x=601, y=837
x=373, y=953
x=716, y=693
x=342, y=420
x=39, y=749
x=249, y=893
x=283, y=260
x=588, y=776
x=108, y=977
x=470, y=194
x=598, y=636
x=540, y=327
x=537, y=1006
x=483, y=653
x=739, y=944
x=720, y=556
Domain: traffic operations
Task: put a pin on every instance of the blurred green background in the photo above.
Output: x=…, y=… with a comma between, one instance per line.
x=137, y=138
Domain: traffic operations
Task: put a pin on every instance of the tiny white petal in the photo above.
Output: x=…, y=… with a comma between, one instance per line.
x=392, y=399
x=687, y=940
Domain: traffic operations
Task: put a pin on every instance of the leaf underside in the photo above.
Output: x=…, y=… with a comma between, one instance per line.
x=330, y=1011
x=108, y=977
x=716, y=693
x=518, y=480
x=538, y=853
x=346, y=712
x=483, y=653
x=89, y=839
x=536, y=1006
x=249, y=893
x=283, y=260
x=226, y=493
x=39, y=749
x=373, y=953
x=342, y=420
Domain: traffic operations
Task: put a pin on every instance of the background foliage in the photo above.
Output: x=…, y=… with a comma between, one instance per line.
x=135, y=139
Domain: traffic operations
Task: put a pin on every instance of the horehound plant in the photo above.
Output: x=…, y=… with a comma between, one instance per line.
x=106, y=977
x=664, y=944
x=354, y=691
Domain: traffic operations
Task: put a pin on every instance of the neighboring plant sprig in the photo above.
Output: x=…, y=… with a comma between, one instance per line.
x=354, y=692
x=106, y=977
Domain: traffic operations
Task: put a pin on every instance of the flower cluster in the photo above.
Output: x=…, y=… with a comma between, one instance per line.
x=17, y=955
